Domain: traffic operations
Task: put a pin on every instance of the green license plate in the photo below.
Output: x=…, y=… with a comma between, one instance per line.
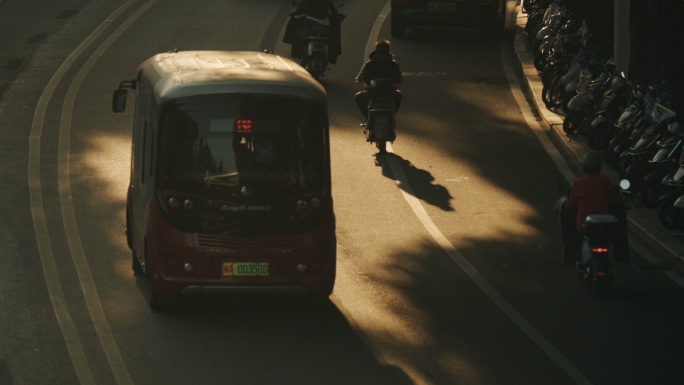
x=245, y=269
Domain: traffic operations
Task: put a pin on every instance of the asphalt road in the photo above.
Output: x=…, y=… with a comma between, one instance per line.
x=403, y=311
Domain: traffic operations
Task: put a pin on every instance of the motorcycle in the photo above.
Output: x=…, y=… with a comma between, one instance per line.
x=379, y=128
x=315, y=59
x=604, y=239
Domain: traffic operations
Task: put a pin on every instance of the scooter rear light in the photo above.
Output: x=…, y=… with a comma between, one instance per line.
x=599, y=250
x=600, y=273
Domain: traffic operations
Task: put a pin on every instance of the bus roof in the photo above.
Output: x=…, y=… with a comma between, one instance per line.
x=191, y=73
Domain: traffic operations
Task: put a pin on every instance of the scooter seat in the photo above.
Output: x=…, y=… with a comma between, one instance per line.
x=595, y=219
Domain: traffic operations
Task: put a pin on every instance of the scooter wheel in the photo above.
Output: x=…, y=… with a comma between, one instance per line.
x=666, y=213
x=382, y=146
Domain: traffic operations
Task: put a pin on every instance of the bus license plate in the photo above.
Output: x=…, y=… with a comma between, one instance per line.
x=245, y=269
x=442, y=6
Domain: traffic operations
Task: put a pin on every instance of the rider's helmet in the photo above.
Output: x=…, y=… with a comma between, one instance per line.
x=591, y=162
x=382, y=46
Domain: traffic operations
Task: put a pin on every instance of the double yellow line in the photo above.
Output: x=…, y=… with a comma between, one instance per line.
x=59, y=304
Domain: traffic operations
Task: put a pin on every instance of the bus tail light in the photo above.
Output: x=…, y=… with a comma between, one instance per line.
x=188, y=204
x=173, y=202
x=316, y=203
x=301, y=204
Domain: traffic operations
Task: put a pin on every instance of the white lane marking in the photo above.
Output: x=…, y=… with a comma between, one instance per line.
x=54, y=286
x=376, y=30
x=92, y=299
x=456, y=256
x=652, y=258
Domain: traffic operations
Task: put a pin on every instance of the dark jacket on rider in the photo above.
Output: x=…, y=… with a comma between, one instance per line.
x=317, y=9
x=380, y=65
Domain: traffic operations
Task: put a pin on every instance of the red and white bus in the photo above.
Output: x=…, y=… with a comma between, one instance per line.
x=230, y=176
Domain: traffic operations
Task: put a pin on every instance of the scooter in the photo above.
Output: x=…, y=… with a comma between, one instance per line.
x=381, y=113
x=601, y=241
x=316, y=59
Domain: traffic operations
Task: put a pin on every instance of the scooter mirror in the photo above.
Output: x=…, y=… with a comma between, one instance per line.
x=624, y=184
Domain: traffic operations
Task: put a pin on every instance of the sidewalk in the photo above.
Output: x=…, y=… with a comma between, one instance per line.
x=644, y=223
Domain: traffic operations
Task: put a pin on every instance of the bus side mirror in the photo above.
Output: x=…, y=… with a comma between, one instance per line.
x=119, y=97
x=119, y=100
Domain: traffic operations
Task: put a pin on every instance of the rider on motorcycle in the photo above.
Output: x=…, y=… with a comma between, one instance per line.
x=592, y=194
x=380, y=65
x=308, y=14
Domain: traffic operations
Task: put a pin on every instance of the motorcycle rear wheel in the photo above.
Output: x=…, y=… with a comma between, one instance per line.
x=382, y=146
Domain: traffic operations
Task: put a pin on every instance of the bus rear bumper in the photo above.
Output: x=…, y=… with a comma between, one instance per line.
x=234, y=289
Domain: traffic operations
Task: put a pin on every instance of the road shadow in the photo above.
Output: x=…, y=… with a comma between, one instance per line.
x=267, y=339
x=5, y=376
x=464, y=325
x=422, y=182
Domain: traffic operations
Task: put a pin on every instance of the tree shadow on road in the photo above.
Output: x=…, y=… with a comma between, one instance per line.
x=422, y=186
x=268, y=339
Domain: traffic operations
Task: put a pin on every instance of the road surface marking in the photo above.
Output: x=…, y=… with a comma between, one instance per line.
x=54, y=286
x=456, y=256
x=90, y=294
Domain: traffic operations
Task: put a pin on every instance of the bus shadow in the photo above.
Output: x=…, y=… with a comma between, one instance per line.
x=267, y=339
x=422, y=186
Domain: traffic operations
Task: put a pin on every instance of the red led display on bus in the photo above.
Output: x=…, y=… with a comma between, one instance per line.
x=244, y=126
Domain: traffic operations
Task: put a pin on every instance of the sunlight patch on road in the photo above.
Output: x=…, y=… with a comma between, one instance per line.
x=105, y=167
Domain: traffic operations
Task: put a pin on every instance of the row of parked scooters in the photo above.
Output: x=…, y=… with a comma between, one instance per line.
x=634, y=123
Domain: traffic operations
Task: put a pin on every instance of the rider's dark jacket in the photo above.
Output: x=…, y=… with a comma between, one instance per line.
x=317, y=9
x=380, y=65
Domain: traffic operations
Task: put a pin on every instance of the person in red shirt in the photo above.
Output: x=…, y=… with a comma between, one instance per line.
x=592, y=193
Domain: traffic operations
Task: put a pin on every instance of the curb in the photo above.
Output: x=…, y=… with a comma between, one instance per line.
x=648, y=229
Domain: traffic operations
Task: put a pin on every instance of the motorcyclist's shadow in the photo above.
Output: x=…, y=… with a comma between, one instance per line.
x=420, y=181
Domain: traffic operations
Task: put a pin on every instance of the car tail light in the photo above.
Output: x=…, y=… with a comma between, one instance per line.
x=599, y=250
x=600, y=273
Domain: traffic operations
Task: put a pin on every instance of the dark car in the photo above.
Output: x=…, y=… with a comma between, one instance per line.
x=487, y=15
